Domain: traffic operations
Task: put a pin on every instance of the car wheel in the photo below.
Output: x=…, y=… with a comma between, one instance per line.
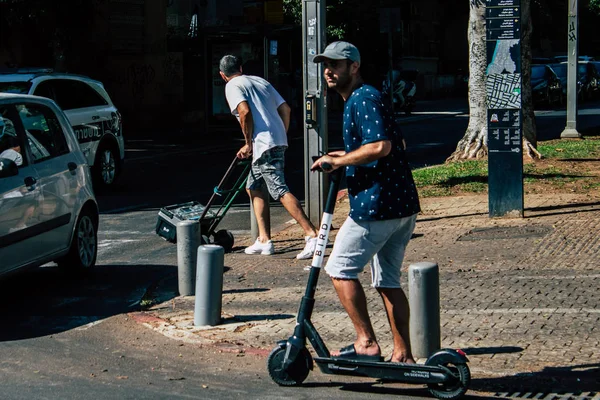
x=106, y=166
x=84, y=244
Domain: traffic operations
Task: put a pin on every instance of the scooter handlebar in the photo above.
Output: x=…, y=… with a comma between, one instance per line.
x=325, y=167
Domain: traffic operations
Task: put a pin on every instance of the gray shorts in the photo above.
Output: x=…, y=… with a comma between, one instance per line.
x=381, y=242
x=268, y=170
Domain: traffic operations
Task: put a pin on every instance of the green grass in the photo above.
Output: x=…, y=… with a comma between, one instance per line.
x=471, y=176
x=570, y=149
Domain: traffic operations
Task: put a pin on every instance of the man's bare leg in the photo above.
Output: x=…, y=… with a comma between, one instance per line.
x=398, y=313
x=292, y=205
x=261, y=211
x=352, y=297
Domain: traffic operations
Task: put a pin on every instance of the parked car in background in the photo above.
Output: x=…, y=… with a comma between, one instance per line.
x=90, y=110
x=561, y=70
x=588, y=75
x=546, y=87
x=48, y=211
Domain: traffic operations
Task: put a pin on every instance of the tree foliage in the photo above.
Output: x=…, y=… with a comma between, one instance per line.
x=344, y=17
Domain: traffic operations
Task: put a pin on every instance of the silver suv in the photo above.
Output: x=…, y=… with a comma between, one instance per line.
x=48, y=211
x=92, y=114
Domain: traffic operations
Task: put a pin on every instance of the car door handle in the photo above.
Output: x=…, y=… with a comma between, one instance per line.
x=72, y=166
x=30, y=181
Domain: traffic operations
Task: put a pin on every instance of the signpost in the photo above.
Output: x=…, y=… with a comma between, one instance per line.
x=503, y=92
x=315, y=91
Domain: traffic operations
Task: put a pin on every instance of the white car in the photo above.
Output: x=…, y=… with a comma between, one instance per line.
x=92, y=114
x=48, y=211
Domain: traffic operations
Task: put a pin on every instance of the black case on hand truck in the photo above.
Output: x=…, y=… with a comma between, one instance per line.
x=169, y=216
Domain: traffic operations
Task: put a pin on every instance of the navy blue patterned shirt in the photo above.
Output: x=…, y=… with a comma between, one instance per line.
x=382, y=189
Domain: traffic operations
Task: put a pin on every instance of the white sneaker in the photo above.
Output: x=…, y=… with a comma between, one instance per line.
x=309, y=248
x=258, y=247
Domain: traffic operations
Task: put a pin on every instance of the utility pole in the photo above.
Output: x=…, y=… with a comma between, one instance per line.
x=315, y=104
x=570, y=130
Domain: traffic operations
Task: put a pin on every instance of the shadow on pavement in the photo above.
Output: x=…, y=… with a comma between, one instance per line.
x=256, y=317
x=471, y=351
x=48, y=300
x=562, y=209
x=391, y=389
x=575, y=379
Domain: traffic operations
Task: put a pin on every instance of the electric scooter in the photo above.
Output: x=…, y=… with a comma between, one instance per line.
x=445, y=372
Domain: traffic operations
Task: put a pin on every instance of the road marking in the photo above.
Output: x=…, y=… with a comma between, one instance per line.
x=88, y=326
x=110, y=242
x=107, y=233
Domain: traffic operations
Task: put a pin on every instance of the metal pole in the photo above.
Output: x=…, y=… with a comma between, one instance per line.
x=424, y=302
x=315, y=133
x=209, y=285
x=188, y=240
x=570, y=130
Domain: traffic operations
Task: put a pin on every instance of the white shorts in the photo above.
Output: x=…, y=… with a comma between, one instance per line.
x=381, y=242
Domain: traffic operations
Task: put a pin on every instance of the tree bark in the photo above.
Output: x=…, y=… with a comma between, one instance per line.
x=474, y=142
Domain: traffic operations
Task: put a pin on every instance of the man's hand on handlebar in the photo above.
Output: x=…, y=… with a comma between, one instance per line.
x=326, y=163
x=245, y=152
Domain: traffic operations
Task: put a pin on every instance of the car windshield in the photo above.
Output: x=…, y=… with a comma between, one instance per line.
x=537, y=71
x=15, y=87
x=560, y=69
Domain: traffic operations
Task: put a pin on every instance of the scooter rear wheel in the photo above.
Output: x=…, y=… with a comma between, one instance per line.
x=455, y=389
x=295, y=374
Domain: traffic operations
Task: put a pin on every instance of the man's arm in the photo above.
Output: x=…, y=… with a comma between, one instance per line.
x=246, y=121
x=247, y=124
x=285, y=112
x=363, y=155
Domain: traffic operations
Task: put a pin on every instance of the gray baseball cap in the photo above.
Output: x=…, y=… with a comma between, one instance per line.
x=339, y=51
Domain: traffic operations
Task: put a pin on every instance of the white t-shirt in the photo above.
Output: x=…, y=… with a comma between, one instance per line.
x=263, y=100
x=12, y=155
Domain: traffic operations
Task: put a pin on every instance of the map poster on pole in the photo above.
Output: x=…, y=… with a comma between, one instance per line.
x=504, y=116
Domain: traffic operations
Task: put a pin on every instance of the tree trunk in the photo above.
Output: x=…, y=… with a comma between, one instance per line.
x=474, y=143
x=529, y=127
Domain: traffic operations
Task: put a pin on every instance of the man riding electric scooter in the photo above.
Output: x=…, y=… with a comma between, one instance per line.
x=383, y=206
x=383, y=210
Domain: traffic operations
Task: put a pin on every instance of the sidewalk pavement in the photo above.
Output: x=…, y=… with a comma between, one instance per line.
x=520, y=296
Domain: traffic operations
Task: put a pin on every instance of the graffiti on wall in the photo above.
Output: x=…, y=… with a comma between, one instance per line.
x=139, y=76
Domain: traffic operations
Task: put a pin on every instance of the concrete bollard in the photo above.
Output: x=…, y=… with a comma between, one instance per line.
x=424, y=302
x=188, y=240
x=209, y=285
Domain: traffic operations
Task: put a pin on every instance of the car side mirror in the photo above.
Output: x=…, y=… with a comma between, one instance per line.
x=8, y=168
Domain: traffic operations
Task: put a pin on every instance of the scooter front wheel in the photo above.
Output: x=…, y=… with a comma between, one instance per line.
x=297, y=371
x=457, y=387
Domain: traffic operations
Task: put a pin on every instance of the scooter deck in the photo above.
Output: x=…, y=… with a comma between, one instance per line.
x=399, y=372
